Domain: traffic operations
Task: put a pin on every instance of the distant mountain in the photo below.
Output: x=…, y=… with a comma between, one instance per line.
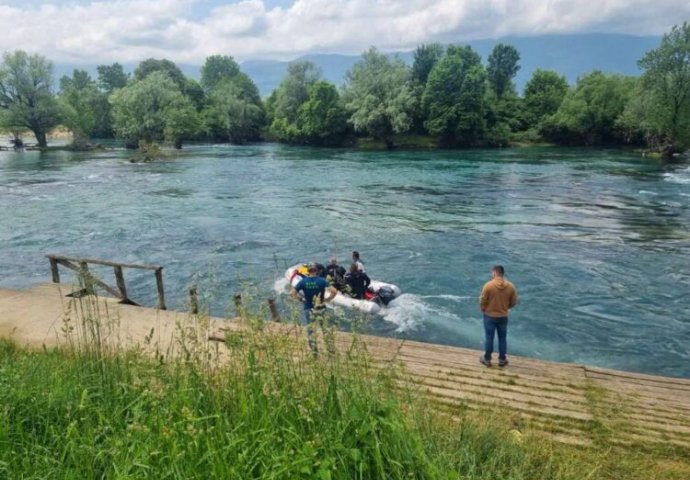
x=569, y=55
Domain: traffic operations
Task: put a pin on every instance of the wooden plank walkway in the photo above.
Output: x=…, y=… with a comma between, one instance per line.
x=574, y=403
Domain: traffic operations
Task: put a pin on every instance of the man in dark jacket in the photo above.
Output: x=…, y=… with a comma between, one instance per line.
x=335, y=274
x=356, y=282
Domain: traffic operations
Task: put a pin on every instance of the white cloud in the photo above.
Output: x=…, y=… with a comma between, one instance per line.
x=130, y=30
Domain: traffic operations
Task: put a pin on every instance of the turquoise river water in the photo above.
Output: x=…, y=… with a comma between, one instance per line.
x=597, y=242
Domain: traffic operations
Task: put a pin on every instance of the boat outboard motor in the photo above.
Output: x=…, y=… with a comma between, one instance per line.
x=384, y=296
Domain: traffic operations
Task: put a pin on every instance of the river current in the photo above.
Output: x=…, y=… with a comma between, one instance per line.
x=597, y=242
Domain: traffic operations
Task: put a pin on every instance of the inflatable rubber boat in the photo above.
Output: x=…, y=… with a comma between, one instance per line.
x=378, y=295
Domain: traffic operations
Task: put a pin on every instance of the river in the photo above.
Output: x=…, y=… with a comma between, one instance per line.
x=596, y=241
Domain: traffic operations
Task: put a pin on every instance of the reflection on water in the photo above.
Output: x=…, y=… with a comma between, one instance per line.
x=597, y=241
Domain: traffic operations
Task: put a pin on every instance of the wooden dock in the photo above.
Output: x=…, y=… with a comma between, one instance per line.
x=570, y=402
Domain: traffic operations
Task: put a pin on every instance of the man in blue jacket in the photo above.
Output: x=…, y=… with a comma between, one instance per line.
x=313, y=289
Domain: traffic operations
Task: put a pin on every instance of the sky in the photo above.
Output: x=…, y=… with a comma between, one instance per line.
x=187, y=31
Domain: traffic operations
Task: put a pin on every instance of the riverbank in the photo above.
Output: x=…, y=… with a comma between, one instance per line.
x=257, y=405
x=401, y=142
x=407, y=141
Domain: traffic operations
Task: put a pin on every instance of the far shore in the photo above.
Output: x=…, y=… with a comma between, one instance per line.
x=404, y=142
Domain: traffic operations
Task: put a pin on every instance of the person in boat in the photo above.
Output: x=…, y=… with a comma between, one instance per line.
x=320, y=270
x=303, y=270
x=313, y=288
x=335, y=274
x=357, y=261
x=356, y=282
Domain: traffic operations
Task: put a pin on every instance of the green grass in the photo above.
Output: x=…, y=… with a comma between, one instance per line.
x=259, y=408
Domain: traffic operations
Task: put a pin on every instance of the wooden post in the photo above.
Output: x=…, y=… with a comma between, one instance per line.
x=238, y=303
x=159, y=286
x=274, y=310
x=86, y=279
x=120, y=279
x=54, y=270
x=193, y=301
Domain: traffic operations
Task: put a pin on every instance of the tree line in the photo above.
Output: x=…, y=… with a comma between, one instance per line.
x=448, y=94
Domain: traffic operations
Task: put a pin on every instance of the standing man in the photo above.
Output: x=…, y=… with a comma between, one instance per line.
x=497, y=298
x=313, y=288
x=357, y=261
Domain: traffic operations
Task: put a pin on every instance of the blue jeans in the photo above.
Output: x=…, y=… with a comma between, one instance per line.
x=492, y=326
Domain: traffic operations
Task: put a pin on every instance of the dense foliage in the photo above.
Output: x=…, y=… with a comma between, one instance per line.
x=588, y=113
x=447, y=95
x=454, y=98
x=379, y=97
x=79, y=103
x=502, y=67
x=285, y=102
x=25, y=94
x=233, y=110
x=153, y=109
x=543, y=95
x=662, y=107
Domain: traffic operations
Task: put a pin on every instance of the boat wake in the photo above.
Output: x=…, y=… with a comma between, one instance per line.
x=410, y=312
x=452, y=298
x=679, y=176
x=280, y=286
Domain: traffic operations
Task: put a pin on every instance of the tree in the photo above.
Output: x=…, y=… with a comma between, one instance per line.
x=78, y=100
x=290, y=95
x=454, y=98
x=26, y=96
x=235, y=111
x=636, y=124
x=111, y=77
x=501, y=69
x=151, y=65
x=153, y=109
x=425, y=57
x=196, y=94
x=379, y=97
x=248, y=88
x=543, y=95
x=589, y=113
x=293, y=91
x=666, y=80
x=503, y=117
x=322, y=120
x=216, y=69
x=465, y=53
